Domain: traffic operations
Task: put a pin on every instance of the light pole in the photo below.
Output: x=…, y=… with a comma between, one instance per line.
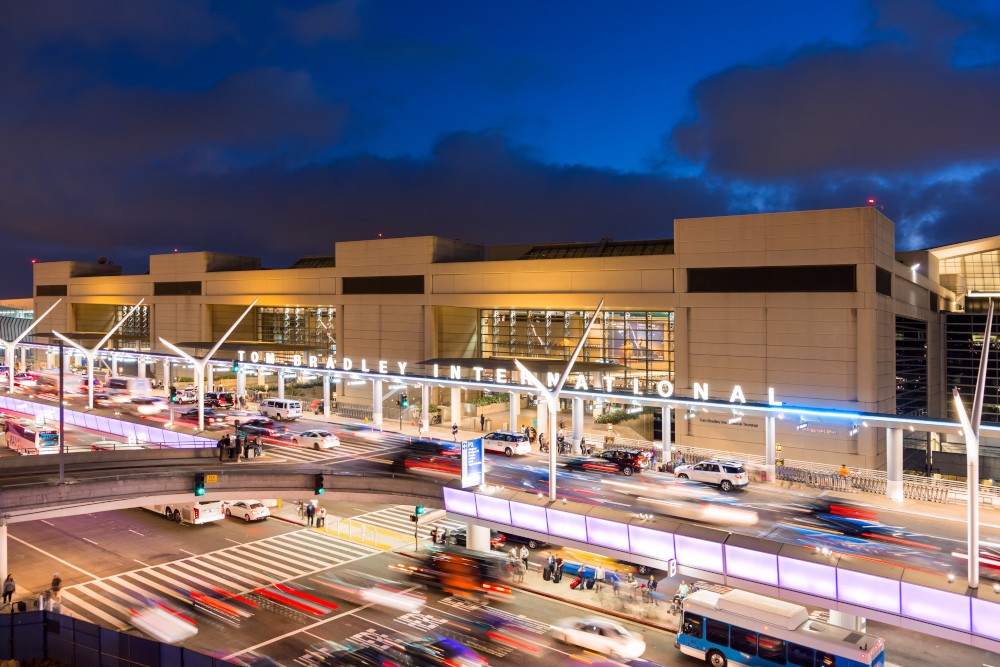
x=62, y=414
x=10, y=346
x=92, y=352
x=199, y=364
x=970, y=428
x=551, y=396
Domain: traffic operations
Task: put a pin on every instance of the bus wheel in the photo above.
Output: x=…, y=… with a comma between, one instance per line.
x=167, y=513
x=715, y=659
x=177, y=516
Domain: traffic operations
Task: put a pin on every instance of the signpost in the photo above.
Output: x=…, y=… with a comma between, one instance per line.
x=472, y=463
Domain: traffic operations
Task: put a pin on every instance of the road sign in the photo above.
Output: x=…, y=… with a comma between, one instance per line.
x=211, y=479
x=472, y=463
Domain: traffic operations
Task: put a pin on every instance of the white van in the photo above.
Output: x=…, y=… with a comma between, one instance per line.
x=281, y=408
x=204, y=511
x=122, y=389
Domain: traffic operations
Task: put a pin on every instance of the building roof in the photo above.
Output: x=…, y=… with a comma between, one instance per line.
x=603, y=248
x=315, y=262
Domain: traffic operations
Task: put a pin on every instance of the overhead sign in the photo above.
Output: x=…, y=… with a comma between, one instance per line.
x=472, y=463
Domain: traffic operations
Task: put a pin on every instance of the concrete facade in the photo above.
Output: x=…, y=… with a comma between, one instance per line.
x=825, y=348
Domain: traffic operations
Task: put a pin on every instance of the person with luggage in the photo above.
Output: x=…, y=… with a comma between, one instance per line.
x=321, y=518
x=550, y=568
x=8, y=589
x=310, y=514
x=258, y=449
x=434, y=535
x=524, y=556
x=599, y=577
x=558, y=574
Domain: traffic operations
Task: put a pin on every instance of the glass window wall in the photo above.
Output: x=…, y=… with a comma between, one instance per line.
x=312, y=327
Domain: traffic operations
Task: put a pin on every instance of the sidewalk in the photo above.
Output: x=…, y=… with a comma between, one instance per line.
x=349, y=529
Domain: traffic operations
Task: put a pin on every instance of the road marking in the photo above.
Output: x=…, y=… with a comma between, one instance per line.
x=234, y=541
x=46, y=522
x=91, y=541
x=308, y=627
x=52, y=556
x=188, y=552
x=140, y=562
x=136, y=532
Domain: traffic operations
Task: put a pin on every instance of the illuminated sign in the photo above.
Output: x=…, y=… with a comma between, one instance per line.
x=472, y=463
x=664, y=388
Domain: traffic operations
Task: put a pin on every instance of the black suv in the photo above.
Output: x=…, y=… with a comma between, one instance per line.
x=625, y=461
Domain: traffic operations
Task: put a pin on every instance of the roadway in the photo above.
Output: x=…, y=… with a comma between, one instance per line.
x=906, y=534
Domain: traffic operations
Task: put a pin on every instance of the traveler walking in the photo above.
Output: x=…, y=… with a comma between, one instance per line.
x=652, y=459
x=238, y=447
x=8, y=589
x=56, y=583
x=434, y=535
x=258, y=449
x=482, y=422
x=310, y=514
x=599, y=577
x=223, y=446
x=321, y=517
x=524, y=556
x=454, y=431
x=301, y=509
x=246, y=447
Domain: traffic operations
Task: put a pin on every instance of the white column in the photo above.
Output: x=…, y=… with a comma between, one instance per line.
x=49, y=359
x=515, y=410
x=850, y=621
x=542, y=418
x=167, y=380
x=241, y=382
x=24, y=358
x=553, y=413
x=209, y=378
x=114, y=365
x=3, y=549
x=478, y=538
x=425, y=408
x=140, y=367
x=261, y=378
x=377, y=402
x=281, y=383
x=666, y=431
x=456, y=406
x=894, y=464
x=770, y=450
x=577, y=425
x=326, y=395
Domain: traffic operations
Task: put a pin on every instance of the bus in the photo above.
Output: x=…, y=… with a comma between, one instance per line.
x=197, y=513
x=47, y=385
x=26, y=437
x=123, y=389
x=741, y=628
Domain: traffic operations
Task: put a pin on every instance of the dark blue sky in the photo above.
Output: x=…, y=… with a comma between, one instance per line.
x=131, y=127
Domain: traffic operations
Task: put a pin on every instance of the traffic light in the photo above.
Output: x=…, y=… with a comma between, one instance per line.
x=319, y=484
x=418, y=512
x=236, y=366
x=173, y=394
x=199, y=484
x=404, y=402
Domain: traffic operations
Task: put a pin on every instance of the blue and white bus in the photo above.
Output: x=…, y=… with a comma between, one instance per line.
x=741, y=628
x=29, y=438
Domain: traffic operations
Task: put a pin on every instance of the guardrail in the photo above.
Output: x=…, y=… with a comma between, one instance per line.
x=859, y=480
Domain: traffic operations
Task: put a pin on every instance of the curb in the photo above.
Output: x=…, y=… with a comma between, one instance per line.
x=286, y=520
x=589, y=607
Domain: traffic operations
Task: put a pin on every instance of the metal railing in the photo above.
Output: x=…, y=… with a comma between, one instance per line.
x=858, y=480
x=354, y=411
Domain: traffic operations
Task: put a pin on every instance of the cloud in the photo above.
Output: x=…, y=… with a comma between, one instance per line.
x=893, y=104
x=335, y=21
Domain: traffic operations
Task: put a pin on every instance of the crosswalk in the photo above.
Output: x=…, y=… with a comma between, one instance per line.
x=397, y=518
x=346, y=450
x=108, y=601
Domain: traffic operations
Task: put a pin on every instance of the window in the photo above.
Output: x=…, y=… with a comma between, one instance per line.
x=771, y=648
x=717, y=632
x=50, y=290
x=801, y=656
x=883, y=281
x=744, y=641
x=829, y=278
x=177, y=288
x=733, y=470
x=384, y=285
x=692, y=625
x=825, y=659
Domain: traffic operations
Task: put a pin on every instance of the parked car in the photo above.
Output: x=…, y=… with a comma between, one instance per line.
x=727, y=475
x=219, y=400
x=263, y=427
x=149, y=405
x=248, y=510
x=601, y=635
x=506, y=442
x=316, y=439
x=625, y=461
x=212, y=419
x=459, y=537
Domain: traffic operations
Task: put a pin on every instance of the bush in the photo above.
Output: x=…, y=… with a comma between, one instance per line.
x=615, y=416
x=491, y=399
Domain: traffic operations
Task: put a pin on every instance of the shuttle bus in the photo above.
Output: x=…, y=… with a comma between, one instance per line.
x=28, y=438
x=204, y=511
x=741, y=628
x=123, y=389
x=47, y=385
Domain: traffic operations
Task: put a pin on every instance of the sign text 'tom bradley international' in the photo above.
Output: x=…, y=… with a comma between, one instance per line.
x=664, y=388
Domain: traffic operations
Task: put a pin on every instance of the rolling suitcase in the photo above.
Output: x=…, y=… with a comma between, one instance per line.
x=590, y=584
x=557, y=577
x=576, y=582
x=546, y=574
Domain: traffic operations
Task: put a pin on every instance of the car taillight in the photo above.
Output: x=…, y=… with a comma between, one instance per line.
x=197, y=512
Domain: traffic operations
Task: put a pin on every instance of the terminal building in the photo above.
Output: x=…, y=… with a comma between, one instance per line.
x=817, y=306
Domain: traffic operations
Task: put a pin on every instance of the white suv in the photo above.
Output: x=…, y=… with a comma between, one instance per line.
x=506, y=442
x=728, y=475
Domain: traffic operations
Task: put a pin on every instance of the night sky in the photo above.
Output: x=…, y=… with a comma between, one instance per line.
x=133, y=127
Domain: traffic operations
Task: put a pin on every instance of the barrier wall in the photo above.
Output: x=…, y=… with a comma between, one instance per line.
x=900, y=596
x=105, y=425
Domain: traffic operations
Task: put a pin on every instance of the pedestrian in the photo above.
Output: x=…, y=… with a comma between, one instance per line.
x=482, y=422
x=223, y=445
x=56, y=583
x=843, y=471
x=8, y=589
x=533, y=434
x=310, y=514
x=651, y=590
x=321, y=518
x=652, y=459
x=238, y=447
x=434, y=535
x=301, y=508
x=599, y=577
x=258, y=449
x=524, y=556
x=454, y=431
x=55, y=602
x=246, y=447
x=550, y=565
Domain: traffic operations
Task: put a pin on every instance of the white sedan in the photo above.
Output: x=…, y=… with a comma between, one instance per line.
x=316, y=439
x=248, y=510
x=601, y=635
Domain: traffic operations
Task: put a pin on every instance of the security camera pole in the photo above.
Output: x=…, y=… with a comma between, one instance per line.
x=551, y=396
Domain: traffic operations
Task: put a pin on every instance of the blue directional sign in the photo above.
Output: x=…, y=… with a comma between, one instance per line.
x=472, y=463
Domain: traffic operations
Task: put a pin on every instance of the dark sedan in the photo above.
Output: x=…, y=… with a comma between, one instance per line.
x=530, y=542
x=262, y=427
x=212, y=418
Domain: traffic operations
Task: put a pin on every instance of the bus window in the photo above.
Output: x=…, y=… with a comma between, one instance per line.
x=801, y=656
x=692, y=624
x=717, y=632
x=48, y=439
x=825, y=659
x=744, y=641
x=771, y=648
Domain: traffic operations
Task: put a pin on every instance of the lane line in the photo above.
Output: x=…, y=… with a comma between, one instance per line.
x=91, y=541
x=188, y=552
x=140, y=562
x=234, y=541
x=53, y=556
x=46, y=522
x=136, y=532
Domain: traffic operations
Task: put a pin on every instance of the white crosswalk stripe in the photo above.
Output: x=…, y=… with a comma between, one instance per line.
x=397, y=518
x=238, y=569
x=346, y=450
